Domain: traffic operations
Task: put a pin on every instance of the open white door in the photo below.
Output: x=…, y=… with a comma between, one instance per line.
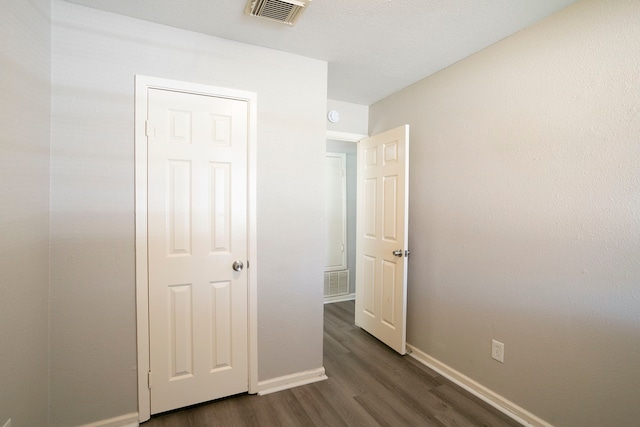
x=382, y=236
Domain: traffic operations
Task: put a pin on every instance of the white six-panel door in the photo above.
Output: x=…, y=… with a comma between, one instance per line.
x=382, y=236
x=197, y=229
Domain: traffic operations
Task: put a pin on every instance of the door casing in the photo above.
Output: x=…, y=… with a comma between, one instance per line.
x=142, y=86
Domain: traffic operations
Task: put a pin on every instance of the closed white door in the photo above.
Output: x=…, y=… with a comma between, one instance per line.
x=335, y=249
x=197, y=230
x=382, y=236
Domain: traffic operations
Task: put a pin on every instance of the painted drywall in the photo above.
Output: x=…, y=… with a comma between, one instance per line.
x=525, y=214
x=25, y=54
x=354, y=118
x=95, y=57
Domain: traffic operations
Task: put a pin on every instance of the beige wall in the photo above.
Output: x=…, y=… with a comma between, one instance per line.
x=525, y=214
x=95, y=58
x=25, y=46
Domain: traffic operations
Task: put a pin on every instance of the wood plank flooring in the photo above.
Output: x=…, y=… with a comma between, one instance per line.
x=369, y=385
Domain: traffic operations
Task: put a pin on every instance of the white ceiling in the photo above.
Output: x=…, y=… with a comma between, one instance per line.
x=373, y=47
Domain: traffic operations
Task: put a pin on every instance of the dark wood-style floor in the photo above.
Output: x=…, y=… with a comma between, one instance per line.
x=368, y=385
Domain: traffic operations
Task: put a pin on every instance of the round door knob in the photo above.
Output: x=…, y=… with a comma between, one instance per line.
x=238, y=266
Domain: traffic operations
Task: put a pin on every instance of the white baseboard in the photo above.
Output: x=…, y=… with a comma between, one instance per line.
x=499, y=402
x=128, y=420
x=291, y=381
x=340, y=298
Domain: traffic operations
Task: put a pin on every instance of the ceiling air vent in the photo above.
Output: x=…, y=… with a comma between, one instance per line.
x=285, y=11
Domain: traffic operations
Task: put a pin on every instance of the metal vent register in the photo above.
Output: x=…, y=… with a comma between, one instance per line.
x=285, y=11
x=336, y=283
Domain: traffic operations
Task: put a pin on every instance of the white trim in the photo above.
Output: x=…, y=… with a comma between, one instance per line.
x=252, y=270
x=291, y=381
x=128, y=420
x=345, y=136
x=340, y=298
x=142, y=278
x=492, y=398
x=142, y=86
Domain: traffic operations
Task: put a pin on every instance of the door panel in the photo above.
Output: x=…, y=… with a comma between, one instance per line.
x=390, y=208
x=221, y=339
x=180, y=321
x=197, y=228
x=179, y=207
x=381, y=277
x=335, y=257
x=220, y=188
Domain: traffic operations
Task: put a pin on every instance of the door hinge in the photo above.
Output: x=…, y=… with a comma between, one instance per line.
x=149, y=377
x=149, y=130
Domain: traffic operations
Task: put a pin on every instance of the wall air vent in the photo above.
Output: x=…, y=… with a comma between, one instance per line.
x=336, y=283
x=285, y=11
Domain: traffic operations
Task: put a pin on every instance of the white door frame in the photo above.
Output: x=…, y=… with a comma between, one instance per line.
x=142, y=86
x=345, y=136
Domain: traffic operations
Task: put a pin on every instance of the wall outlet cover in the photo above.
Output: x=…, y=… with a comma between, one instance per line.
x=497, y=351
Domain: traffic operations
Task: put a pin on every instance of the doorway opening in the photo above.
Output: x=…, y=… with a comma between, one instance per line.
x=340, y=201
x=382, y=186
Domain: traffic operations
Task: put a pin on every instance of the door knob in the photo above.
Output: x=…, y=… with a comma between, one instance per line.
x=397, y=253
x=238, y=266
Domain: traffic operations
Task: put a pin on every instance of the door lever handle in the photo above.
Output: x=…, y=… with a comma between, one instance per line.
x=398, y=253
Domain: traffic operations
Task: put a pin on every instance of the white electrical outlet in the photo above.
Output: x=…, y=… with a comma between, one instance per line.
x=497, y=351
x=8, y=423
